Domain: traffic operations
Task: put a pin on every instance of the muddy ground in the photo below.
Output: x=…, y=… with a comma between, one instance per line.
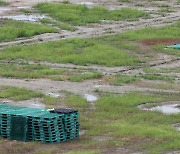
x=91, y=86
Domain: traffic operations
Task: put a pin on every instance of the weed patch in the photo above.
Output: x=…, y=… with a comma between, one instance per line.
x=18, y=94
x=118, y=116
x=168, y=32
x=11, y=30
x=82, y=15
x=64, y=26
x=122, y=79
x=40, y=71
x=158, y=77
x=76, y=101
x=76, y=51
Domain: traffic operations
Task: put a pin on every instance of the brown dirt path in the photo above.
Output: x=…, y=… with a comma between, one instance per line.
x=45, y=85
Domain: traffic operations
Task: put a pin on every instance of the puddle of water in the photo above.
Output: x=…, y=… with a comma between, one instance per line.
x=23, y=17
x=90, y=98
x=102, y=138
x=34, y=103
x=97, y=86
x=55, y=95
x=167, y=109
x=23, y=7
x=3, y=9
x=87, y=3
x=82, y=132
x=177, y=126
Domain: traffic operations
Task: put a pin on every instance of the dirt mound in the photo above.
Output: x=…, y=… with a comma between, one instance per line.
x=150, y=42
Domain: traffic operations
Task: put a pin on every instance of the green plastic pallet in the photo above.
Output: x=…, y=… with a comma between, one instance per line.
x=175, y=46
x=32, y=124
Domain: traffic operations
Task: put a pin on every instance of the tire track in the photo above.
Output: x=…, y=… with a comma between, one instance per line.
x=85, y=32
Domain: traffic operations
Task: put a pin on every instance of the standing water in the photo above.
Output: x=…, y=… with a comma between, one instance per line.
x=90, y=98
x=23, y=17
x=167, y=109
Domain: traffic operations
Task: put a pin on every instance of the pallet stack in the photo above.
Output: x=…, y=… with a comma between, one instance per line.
x=70, y=121
x=29, y=124
x=5, y=120
x=48, y=128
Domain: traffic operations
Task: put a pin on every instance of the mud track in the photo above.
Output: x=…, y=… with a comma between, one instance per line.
x=45, y=85
x=100, y=30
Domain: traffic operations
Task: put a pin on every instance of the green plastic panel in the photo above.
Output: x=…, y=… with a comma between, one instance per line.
x=33, y=124
x=18, y=129
x=176, y=46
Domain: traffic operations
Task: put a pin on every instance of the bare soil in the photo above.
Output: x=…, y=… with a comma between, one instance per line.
x=160, y=41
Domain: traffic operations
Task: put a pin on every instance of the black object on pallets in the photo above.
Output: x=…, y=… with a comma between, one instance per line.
x=30, y=124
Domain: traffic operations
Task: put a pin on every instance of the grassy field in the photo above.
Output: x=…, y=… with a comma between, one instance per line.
x=118, y=117
x=115, y=50
x=39, y=71
x=11, y=30
x=76, y=51
x=168, y=32
x=82, y=15
x=115, y=118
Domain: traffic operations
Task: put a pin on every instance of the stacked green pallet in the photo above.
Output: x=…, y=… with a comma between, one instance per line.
x=30, y=124
x=28, y=113
x=175, y=46
x=5, y=119
x=48, y=128
x=70, y=121
x=71, y=124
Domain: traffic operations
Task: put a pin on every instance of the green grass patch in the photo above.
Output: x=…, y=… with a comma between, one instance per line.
x=76, y=51
x=11, y=30
x=29, y=71
x=122, y=79
x=158, y=77
x=85, y=76
x=82, y=15
x=3, y=3
x=40, y=71
x=49, y=100
x=76, y=101
x=64, y=26
x=18, y=94
x=168, y=32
